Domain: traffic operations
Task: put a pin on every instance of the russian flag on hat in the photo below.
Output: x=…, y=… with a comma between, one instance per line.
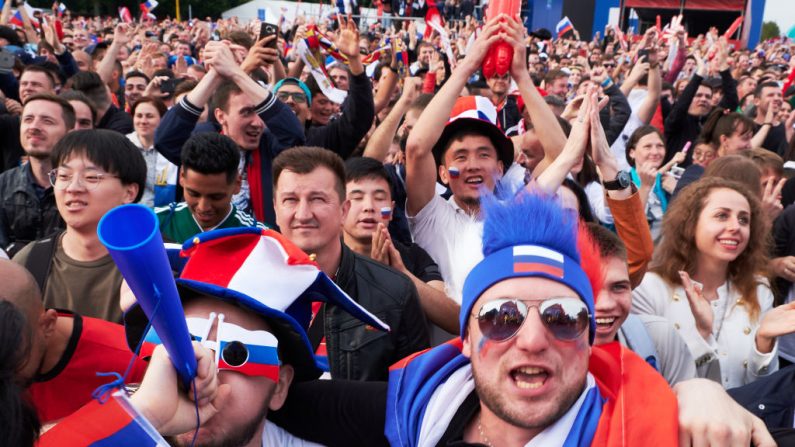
x=476, y=107
x=475, y=113
x=266, y=273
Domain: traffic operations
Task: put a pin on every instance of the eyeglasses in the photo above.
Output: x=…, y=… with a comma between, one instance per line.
x=298, y=97
x=90, y=180
x=565, y=318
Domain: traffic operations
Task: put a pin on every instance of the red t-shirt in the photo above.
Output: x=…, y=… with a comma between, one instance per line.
x=95, y=346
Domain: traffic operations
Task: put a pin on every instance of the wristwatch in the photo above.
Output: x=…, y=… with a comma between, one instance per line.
x=622, y=181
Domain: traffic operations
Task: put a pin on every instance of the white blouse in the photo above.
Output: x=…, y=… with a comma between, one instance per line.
x=729, y=355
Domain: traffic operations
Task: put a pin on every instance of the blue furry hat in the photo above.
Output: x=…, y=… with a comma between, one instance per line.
x=527, y=236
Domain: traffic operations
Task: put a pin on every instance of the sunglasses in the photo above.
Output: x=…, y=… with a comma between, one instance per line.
x=298, y=97
x=565, y=318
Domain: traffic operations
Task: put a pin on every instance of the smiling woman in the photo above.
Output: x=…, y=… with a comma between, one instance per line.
x=705, y=279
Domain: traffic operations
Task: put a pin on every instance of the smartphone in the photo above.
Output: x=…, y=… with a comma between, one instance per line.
x=643, y=53
x=7, y=59
x=677, y=171
x=268, y=29
x=169, y=85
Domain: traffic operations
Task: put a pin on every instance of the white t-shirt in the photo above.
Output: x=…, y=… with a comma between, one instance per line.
x=452, y=237
x=275, y=436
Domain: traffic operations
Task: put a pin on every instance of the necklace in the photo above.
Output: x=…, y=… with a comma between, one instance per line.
x=483, y=437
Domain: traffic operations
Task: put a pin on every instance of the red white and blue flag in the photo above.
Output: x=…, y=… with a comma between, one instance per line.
x=124, y=15
x=533, y=258
x=564, y=26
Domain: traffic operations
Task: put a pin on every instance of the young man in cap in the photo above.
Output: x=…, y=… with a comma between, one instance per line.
x=469, y=154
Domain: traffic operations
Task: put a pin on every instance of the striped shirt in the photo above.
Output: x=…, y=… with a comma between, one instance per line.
x=177, y=223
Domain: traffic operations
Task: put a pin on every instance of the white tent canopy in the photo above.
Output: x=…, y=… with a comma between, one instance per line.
x=271, y=11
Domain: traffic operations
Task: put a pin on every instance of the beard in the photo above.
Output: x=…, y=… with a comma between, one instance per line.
x=498, y=404
x=237, y=436
x=38, y=154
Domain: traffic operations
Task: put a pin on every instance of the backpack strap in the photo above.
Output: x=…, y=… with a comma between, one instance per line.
x=638, y=339
x=39, y=259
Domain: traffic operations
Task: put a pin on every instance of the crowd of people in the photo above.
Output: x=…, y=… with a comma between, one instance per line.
x=633, y=192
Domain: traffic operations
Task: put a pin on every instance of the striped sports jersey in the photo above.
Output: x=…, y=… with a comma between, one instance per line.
x=177, y=223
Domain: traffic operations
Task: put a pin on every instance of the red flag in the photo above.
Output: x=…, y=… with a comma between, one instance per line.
x=432, y=15
x=659, y=25
x=124, y=15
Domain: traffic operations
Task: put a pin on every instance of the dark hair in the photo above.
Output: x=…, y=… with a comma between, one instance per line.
x=241, y=38
x=763, y=85
x=185, y=86
x=211, y=153
x=156, y=103
x=305, y=159
x=584, y=209
x=765, y=159
x=358, y=168
x=21, y=424
x=720, y=123
x=137, y=74
x=220, y=99
x=112, y=151
x=41, y=69
x=608, y=243
x=75, y=95
x=67, y=111
x=421, y=102
x=639, y=133
x=91, y=84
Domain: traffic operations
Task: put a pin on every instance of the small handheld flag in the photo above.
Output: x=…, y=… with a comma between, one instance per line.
x=563, y=27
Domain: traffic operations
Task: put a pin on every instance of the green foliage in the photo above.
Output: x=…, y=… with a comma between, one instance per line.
x=770, y=30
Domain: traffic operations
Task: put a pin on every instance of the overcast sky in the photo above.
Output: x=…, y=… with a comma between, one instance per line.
x=781, y=12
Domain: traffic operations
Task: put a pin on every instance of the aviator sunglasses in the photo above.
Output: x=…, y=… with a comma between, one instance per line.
x=565, y=318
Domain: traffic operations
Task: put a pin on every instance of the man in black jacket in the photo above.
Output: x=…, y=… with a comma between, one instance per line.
x=309, y=199
x=686, y=117
x=27, y=202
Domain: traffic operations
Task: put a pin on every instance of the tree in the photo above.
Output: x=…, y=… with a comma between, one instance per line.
x=770, y=30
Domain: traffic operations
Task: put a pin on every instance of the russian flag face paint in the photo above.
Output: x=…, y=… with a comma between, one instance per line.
x=454, y=172
x=386, y=212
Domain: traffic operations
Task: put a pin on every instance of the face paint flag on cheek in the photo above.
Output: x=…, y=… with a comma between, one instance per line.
x=454, y=172
x=386, y=212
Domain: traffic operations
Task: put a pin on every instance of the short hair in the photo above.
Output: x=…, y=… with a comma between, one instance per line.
x=67, y=111
x=365, y=168
x=720, y=123
x=554, y=74
x=157, y=103
x=607, y=242
x=639, y=133
x=220, y=99
x=185, y=86
x=40, y=69
x=421, y=102
x=75, y=95
x=305, y=159
x=211, y=153
x=241, y=38
x=766, y=159
x=764, y=85
x=91, y=84
x=137, y=74
x=739, y=169
x=109, y=149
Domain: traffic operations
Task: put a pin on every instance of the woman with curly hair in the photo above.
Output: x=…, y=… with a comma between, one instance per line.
x=706, y=279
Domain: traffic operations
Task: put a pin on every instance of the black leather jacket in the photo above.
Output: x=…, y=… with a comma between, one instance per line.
x=357, y=351
x=25, y=217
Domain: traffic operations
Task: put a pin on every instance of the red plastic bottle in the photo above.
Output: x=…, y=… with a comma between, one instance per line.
x=498, y=59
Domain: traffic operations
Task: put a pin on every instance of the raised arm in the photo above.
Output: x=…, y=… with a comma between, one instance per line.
x=552, y=138
x=120, y=38
x=378, y=145
x=420, y=164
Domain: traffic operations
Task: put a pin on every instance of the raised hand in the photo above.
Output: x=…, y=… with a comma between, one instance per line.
x=348, y=39
x=648, y=174
x=491, y=32
x=700, y=306
x=771, y=198
x=260, y=55
x=220, y=58
x=776, y=322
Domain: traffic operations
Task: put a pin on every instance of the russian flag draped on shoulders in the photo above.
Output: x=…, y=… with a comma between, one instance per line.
x=631, y=404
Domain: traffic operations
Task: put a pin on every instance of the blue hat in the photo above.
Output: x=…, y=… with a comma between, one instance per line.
x=527, y=236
